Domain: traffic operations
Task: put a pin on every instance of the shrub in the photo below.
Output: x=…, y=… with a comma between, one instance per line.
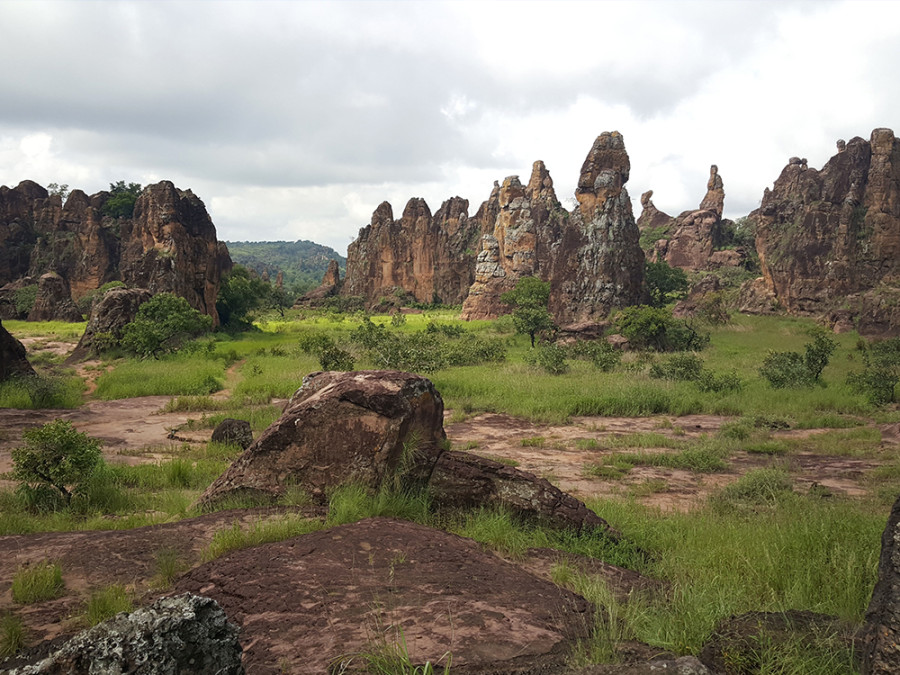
x=792, y=369
x=121, y=200
x=12, y=635
x=25, y=298
x=759, y=487
x=162, y=324
x=681, y=367
x=36, y=583
x=550, y=357
x=879, y=379
x=530, y=298
x=105, y=603
x=719, y=383
x=601, y=353
x=335, y=358
x=664, y=283
x=655, y=328
x=56, y=455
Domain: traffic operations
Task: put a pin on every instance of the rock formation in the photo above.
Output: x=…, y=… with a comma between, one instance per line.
x=591, y=257
x=715, y=192
x=234, y=431
x=652, y=217
x=54, y=301
x=881, y=634
x=13, y=359
x=831, y=238
x=169, y=244
x=109, y=315
x=429, y=257
x=183, y=634
x=331, y=284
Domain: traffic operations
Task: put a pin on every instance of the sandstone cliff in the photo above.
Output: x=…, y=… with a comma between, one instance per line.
x=430, y=257
x=169, y=244
x=591, y=257
x=830, y=239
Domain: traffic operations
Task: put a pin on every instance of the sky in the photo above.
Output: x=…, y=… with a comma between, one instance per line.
x=295, y=120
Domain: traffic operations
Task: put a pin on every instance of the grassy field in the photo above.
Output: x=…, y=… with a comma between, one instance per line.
x=758, y=543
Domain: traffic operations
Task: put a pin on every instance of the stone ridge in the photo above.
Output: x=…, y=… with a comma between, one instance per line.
x=168, y=245
x=831, y=238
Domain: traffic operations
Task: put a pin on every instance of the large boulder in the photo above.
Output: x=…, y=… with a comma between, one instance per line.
x=13, y=361
x=234, y=431
x=362, y=427
x=881, y=634
x=54, y=301
x=183, y=635
x=109, y=315
x=309, y=604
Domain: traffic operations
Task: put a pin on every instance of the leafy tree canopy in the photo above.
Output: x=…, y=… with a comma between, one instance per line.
x=162, y=325
x=122, y=198
x=530, y=298
x=665, y=283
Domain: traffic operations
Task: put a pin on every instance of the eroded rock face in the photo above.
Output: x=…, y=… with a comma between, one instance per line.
x=825, y=235
x=180, y=635
x=331, y=284
x=54, y=301
x=310, y=603
x=431, y=257
x=233, y=431
x=13, y=359
x=881, y=634
x=363, y=427
x=168, y=245
x=591, y=257
x=109, y=315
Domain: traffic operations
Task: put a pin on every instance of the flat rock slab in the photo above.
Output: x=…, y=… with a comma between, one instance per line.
x=310, y=602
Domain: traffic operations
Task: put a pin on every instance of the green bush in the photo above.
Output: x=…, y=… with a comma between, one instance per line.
x=792, y=369
x=24, y=299
x=655, y=328
x=878, y=381
x=121, y=200
x=335, y=358
x=162, y=325
x=36, y=583
x=601, y=353
x=664, y=283
x=549, y=357
x=681, y=367
x=56, y=455
x=756, y=488
x=530, y=298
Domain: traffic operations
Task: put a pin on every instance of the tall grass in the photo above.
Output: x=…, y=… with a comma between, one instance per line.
x=178, y=375
x=36, y=583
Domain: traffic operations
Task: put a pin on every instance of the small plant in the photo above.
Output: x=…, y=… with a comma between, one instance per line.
x=37, y=582
x=792, y=369
x=168, y=566
x=681, y=367
x=12, y=634
x=533, y=442
x=105, y=603
x=549, y=357
x=757, y=488
x=55, y=455
x=655, y=328
x=162, y=325
x=878, y=381
x=530, y=298
x=388, y=657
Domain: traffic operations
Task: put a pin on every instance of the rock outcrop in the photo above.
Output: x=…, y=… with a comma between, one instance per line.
x=832, y=237
x=429, y=257
x=13, y=359
x=314, y=604
x=173, y=636
x=881, y=634
x=234, y=431
x=591, y=257
x=54, y=301
x=109, y=315
x=169, y=244
x=330, y=286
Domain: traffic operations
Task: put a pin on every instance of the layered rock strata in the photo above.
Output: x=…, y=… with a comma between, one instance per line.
x=169, y=244
x=831, y=238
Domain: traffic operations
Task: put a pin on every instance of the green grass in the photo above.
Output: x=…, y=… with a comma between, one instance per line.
x=105, y=603
x=169, y=566
x=43, y=391
x=60, y=330
x=859, y=442
x=12, y=634
x=258, y=533
x=37, y=583
x=179, y=375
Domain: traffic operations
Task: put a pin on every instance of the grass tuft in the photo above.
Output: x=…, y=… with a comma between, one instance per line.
x=37, y=583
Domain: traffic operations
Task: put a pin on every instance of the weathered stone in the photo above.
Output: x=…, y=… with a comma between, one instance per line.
x=54, y=301
x=651, y=217
x=715, y=193
x=682, y=665
x=25, y=211
x=309, y=604
x=331, y=284
x=183, y=635
x=583, y=330
x=363, y=427
x=109, y=315
x=13, y=359
x=755, y=297
x=881, y=633
x=235, y=431
x=699, y=291
x=9, y=308
x=823, y=236
x=695, y=237
x=464, y=480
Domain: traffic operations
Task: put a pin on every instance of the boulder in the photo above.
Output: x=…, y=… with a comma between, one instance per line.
x=54, y=301
x=363, y=427
x=13, y=359
x=464, y=480
x=881, y=634
x=313, y=603
x=233, y=431
x=109, y=315
x=180, y=635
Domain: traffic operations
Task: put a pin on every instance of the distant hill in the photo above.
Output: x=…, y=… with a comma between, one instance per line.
x=302, y=262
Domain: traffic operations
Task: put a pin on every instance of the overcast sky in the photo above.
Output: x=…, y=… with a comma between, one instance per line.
x=294, y=120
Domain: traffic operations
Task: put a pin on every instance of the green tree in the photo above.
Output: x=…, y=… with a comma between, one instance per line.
x=240, y=294
x=57, y=456
x=121, y=199
x=665, y=283
x=655, y=328
x=882, y=372
x=162, y=324
x=530, y=298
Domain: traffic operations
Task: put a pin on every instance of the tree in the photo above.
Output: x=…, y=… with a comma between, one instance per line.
x=239, y=295
x=530, y=298
x=58, y=456
x=57, y=189
x=655, y=328
x=162, y=324
x=121, y=200
x=665, y=283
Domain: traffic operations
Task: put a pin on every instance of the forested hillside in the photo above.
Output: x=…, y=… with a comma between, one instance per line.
x=302, y=262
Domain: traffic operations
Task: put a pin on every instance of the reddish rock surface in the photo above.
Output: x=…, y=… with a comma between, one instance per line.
x=109, y=315
x=591, y=257
x=331, y=284
x=54, y=301
x=431, y=257
x=309, y=602
x=13, y=360
x=362, y=427
x=168, y=245
x=881, y=634
x=829, y=235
